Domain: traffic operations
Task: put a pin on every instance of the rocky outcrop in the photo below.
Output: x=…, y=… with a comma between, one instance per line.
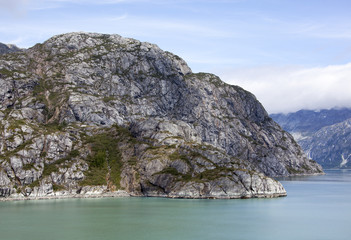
x=94, y=111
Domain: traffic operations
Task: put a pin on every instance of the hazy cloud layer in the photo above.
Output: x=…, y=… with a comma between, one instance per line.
x=288, y=89
x=13, y=5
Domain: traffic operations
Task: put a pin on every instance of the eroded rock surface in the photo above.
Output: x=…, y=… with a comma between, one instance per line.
x=85, y=112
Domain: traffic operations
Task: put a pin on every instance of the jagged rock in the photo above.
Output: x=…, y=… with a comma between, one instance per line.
x=88, y=113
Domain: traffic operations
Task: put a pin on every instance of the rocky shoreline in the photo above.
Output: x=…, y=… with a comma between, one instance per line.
x=63, y=195
x=124, y=194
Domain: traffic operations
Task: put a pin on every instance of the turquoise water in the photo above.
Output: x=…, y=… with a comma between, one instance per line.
x=317, y=207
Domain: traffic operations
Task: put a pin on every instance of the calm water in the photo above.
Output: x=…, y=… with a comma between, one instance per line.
x=317, y=207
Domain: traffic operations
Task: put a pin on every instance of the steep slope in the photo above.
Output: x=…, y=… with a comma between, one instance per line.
x=86, y=112
x=324, y=135
x=330, y=146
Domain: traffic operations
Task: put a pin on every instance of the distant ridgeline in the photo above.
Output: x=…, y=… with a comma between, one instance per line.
x=324, y=135
x=8, y=48
x=91, y=114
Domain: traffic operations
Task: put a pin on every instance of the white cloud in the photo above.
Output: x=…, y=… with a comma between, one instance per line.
x=288, y=89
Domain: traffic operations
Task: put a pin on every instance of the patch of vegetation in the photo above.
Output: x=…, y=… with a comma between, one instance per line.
x=58, y=75
x=282, y=147
x=194, y=154
x=176, y=155
x=216, y=81
x=29, y=166
x=312, y=161
x=8, y=154
x=57, y=187
x=16, y=123
x=173, y=55
x=189, y=157
x=96, y=57
x=206, y=76
x=52, y=95
x=54, y=167
x=171, y=146
x=200, y=75
x=40, y=87
x=36, y=183
x=152, y=147
x=95, y=177
x=43, y=154
x=174, y=172
x=105, y=160
x=306, y=167
x=212, y=174
x=54, y=126
x=74, y=153
x=174, y=137
x=132, y=161
x=207, y=175
x=292, y=170
x=107, y=99
x=68, y=54
x=6, y=72
x=50, y=168
x=249, y=138
x=170, y=170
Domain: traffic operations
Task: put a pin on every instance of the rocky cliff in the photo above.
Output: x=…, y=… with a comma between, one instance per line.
x=87, y=113
x=324, y=135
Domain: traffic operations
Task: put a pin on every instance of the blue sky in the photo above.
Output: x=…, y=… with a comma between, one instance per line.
x=291, y=54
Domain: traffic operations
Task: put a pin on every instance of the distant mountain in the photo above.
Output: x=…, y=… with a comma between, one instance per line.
x=331, y=145
x=324, y=135
x=8, y=48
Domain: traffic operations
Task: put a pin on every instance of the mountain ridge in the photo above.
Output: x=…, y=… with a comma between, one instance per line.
x=324, y=135
x=9, y=48
x=166, y=131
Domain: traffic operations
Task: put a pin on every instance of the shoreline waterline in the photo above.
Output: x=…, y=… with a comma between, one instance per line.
x=317, y=208
x=125, y=194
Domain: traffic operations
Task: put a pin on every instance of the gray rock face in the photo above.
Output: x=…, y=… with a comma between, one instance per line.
x=86, y=110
